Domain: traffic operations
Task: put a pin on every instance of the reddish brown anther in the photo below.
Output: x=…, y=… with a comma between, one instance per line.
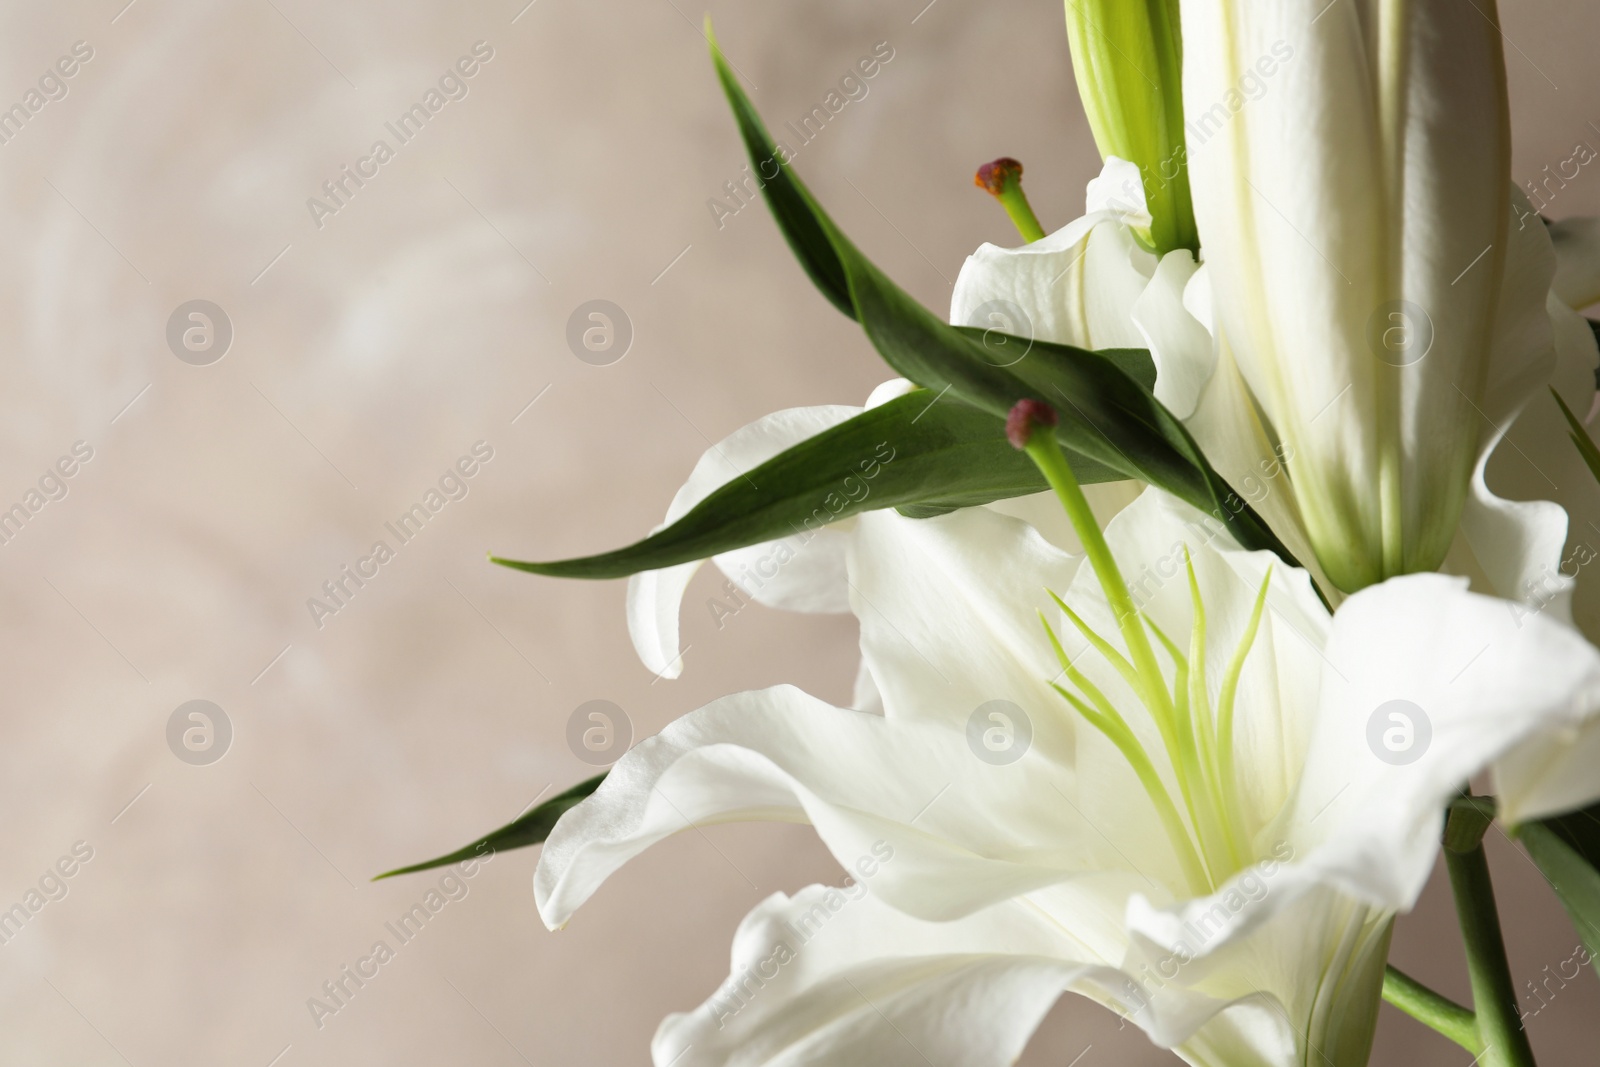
x=1024, y=416
x=994, y=177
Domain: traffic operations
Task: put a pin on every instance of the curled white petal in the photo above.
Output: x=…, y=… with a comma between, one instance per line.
x=833, y=975
x=654, y=598
x=1076, y=286
x=1118, y=190
x=1180, y=346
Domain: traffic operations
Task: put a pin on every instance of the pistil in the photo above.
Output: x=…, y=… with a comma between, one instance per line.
x=1002, y=179
x=1199, y=738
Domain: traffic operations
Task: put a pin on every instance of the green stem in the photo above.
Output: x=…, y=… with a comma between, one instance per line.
x=1494, y=998
x=1432, y=1009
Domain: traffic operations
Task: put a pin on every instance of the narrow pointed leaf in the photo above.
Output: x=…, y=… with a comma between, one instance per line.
x=529, y=829
x=785, y=199
x=1105, y=415
x=1567, y=851
x=1580, y=438
x=916, y=452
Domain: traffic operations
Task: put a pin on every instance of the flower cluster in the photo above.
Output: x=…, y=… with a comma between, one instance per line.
x=1264, y=373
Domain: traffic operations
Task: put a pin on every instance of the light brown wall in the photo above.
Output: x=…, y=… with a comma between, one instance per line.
x=420, y=319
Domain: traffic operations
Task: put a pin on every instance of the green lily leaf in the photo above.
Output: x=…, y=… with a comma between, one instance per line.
x=529, y=829
x=1105, y=415
x=917, y=453
x=1580, y=436
x=787, y=200
x=1567, y=850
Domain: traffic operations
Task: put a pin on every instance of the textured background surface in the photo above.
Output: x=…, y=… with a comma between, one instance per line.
x=368, y=355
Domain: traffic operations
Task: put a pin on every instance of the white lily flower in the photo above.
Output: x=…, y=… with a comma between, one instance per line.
x=1367, y=264
x=1228, y=886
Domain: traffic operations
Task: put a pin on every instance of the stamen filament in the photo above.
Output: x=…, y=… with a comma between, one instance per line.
x=1194, y=871
x=1147, y=680
x=1100, y=644
x=1105, y=718
x=1203, y=798
x=1205, y=722
x=1179, y=660
x=1226, y=698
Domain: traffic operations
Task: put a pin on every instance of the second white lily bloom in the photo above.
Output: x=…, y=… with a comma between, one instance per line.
x=992, y=871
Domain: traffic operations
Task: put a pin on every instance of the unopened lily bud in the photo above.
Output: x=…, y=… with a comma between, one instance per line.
x=1025, y=416
x=1002, y=179
x=1369, y=275
x=1128, y=60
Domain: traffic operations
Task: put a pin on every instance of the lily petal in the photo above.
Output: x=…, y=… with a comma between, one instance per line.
x=1180, y=346
x=944, y=629
x=1481, y=684
x=1076, y=286
x=1280, y=964
x=1230, y=432
x=655, y=597
x=782, y=755
x=1519, y=543
x=1577, y=245
x=1119, y=189
x=836, y=976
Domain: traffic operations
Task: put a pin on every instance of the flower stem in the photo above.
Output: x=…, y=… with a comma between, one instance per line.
x=1432, y=1009
x=1494, y=998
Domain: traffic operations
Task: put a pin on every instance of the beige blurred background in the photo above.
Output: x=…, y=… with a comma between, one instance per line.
x=371, y=352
